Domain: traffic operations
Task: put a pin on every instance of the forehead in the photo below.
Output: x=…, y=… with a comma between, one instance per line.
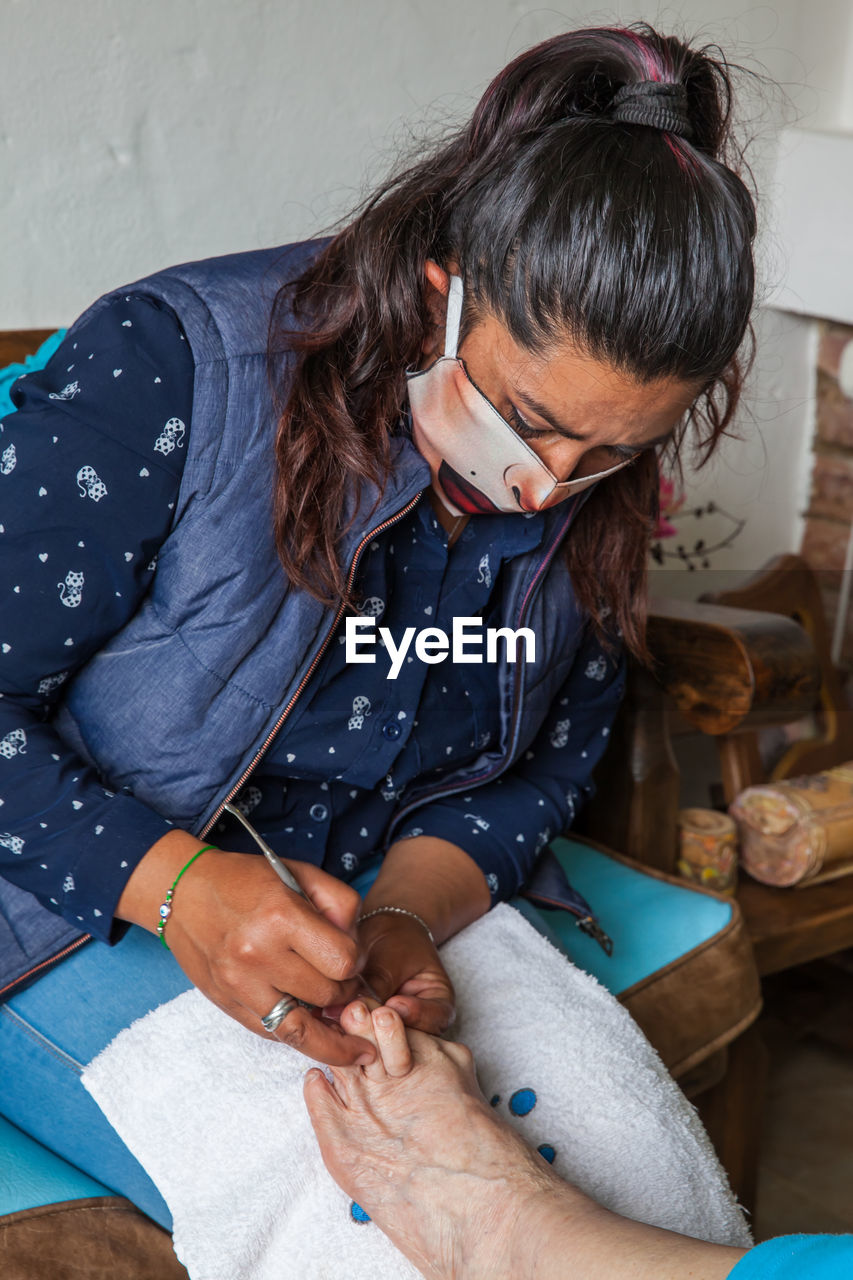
x=582, y=392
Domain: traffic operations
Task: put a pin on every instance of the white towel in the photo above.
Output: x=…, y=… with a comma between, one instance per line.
x=216, y=1116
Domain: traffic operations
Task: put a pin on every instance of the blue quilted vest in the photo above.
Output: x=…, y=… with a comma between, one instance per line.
x=180, y=705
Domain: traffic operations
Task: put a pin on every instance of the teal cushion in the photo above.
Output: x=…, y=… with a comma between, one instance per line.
x=30, y=1175
x=36, y=361
x=650, y=921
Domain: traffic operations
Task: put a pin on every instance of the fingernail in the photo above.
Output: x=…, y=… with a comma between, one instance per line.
x=384, y=1018
x=359, y=1011
x=365, y=1060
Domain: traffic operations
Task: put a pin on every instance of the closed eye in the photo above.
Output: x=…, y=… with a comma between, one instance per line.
x=523, y=427
x=621, y=452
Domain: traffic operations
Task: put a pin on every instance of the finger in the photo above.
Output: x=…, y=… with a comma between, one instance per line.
x=291, y=972
x=324, y=945
x=323, y=1041
x=283, y=926
x=364, y=991
x=379, y=978
x=337, y=901
x=433, y=1016
x=392, y=1042
x=357, y=1020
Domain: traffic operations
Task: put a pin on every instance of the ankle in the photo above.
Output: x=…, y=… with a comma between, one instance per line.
x=553, y=1218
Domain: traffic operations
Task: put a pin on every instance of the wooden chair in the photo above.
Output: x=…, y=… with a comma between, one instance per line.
x=17, y=344
x=791, y=927
x=731, y=666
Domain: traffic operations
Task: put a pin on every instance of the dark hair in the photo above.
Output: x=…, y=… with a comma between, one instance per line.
x=633, y=243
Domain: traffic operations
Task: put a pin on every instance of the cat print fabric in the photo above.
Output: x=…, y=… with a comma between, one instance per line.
x=90, y=468
x=75, y=515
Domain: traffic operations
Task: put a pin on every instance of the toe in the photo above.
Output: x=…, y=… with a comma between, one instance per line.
x=324, y=1103
x=392, y=1042
x=356, y=1019
x=328, y=1116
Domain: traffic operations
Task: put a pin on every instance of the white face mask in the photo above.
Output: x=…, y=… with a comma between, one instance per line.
x=478, y=462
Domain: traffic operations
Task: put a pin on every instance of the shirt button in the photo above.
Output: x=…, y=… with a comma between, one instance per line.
x=391, y=730
x=318, y=812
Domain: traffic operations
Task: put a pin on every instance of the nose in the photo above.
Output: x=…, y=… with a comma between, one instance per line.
x=563, y=458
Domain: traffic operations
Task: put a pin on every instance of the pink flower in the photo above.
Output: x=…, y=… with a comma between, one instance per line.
x=670, y=504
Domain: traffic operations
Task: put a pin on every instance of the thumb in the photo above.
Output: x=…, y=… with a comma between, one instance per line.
x=378, y=976
x=332, y=897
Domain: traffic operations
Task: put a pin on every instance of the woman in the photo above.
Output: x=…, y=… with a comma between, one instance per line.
x=450, y=410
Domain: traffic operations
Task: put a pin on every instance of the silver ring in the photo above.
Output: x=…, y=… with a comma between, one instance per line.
x=279, y=1012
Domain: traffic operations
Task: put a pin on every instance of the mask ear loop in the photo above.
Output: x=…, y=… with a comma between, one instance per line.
x=454, y=317
x=598, y=475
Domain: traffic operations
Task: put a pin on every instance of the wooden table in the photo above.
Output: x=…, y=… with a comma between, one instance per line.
x=792, y=926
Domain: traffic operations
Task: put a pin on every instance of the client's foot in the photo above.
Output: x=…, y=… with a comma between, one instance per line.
x=413, y=1141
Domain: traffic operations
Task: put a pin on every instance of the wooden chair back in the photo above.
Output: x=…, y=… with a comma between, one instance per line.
x=17, y=344
x=788, y=586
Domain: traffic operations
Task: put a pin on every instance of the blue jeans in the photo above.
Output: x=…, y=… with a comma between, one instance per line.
x=52, y=1029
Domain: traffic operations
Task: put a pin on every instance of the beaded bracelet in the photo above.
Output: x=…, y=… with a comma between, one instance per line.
x=166, y=909
x=398, y=911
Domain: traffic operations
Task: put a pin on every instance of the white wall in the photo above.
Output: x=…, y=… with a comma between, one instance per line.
x=825, y=47
x=133, y=136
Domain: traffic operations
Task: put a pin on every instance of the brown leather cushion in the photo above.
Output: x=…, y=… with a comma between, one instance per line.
x=705, y=998
x=103, y=1238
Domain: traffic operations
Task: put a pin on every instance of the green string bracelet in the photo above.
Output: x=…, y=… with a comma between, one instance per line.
x=166, y=909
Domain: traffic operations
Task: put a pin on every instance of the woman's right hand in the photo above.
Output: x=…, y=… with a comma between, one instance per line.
x=243, y=938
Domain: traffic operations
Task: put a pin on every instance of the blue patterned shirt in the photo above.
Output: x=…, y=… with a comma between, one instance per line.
x=90, y=467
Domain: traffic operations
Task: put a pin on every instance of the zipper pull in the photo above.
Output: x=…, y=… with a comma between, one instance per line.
x=594, y=930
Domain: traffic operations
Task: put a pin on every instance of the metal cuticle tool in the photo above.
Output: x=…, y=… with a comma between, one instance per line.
x=286, y=877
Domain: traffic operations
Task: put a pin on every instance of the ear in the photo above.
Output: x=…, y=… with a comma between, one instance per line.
x=436, y=286
x=437, y=276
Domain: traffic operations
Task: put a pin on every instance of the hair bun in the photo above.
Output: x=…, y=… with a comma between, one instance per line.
x=656, y=103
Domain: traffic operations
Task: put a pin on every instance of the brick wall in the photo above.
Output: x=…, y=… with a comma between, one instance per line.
x=830, y=511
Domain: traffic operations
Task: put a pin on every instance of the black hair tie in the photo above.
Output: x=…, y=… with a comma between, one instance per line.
x=655, y=103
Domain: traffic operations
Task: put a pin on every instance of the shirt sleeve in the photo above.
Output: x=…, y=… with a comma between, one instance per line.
x=504, y=824
x=820, y=1257
x=90, y=467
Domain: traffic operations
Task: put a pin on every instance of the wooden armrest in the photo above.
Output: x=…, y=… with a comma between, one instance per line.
x=730, y=669
x=17, y=344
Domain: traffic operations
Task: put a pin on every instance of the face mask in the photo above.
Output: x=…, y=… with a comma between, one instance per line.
x=478, y=462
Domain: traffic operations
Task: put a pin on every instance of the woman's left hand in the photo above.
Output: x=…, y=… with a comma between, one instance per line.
x=403, y=970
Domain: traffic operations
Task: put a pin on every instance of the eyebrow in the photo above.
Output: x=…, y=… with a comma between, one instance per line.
x=560, y=427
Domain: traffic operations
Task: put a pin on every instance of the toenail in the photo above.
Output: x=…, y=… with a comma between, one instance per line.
x=359, y=1012
x=385, y=1019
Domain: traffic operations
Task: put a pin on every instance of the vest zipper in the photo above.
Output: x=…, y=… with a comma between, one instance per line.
x=262, y=750
x=11, y=987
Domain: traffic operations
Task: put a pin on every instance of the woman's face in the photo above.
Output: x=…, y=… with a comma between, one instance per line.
x=579, y=414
